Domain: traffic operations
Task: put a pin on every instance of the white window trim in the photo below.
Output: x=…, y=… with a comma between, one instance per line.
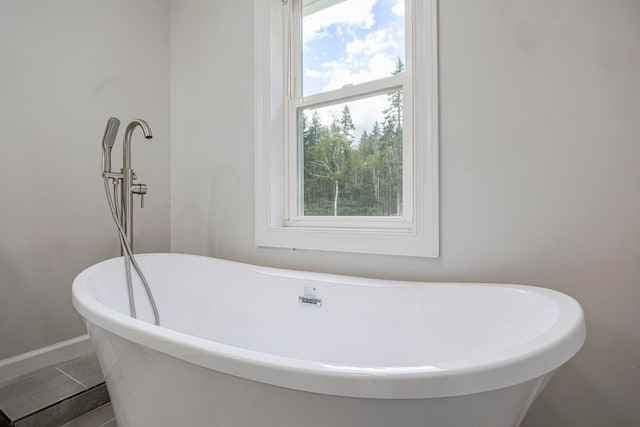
x=379, y=235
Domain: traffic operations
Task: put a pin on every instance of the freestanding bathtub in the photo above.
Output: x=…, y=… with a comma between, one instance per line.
x=247, y=346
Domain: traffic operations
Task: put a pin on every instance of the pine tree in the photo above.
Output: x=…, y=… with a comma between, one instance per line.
x=313, y=132
x=392, y=151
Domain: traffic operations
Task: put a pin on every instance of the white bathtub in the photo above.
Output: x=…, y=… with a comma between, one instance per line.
x=238, y=348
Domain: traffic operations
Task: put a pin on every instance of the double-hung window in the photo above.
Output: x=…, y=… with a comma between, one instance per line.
x=346, y=125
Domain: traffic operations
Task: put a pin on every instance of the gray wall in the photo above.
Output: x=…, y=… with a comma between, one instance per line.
x=66, y=66
x=540, y=144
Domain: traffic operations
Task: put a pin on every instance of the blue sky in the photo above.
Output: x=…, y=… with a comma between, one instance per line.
x=350, y=43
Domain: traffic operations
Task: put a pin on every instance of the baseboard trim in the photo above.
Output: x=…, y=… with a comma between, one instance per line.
x=51, y=355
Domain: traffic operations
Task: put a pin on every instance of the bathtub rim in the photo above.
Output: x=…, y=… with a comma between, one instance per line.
x=540, y=356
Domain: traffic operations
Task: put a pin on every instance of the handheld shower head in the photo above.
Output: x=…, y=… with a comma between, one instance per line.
x=108, y=140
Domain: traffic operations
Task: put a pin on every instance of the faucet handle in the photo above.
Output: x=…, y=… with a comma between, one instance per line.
x=140, y=189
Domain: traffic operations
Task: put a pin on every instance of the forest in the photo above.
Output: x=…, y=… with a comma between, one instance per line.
x=349, y=176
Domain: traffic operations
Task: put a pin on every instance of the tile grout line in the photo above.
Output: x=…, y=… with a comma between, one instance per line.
x=104, y=424
x=70, y=377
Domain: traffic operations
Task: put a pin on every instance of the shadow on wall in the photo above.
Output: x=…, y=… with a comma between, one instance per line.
x=576, y=387
x=16, y=295
x=223, y=214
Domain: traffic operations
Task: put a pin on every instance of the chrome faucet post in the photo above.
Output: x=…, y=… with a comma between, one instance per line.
x=128, y=176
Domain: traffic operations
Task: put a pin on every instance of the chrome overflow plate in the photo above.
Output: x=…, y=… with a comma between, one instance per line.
x=310, y=297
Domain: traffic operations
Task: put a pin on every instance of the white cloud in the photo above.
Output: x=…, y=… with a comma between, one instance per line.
x=398, y=8
x=366, y=113
x=375, y=42
x=339, y=74
x=353, y=13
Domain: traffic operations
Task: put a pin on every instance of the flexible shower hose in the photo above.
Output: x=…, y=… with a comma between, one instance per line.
x=129, y=259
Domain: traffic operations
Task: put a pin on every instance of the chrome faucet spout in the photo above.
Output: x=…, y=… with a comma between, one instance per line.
x=126, y=160
x=128, y=187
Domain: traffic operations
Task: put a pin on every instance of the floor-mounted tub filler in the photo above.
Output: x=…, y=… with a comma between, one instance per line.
x=247, y=346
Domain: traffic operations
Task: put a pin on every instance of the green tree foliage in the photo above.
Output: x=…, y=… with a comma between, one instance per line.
x=345, y=176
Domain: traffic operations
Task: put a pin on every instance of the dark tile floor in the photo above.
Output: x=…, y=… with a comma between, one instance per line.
x=55, y=395
x=100, y=417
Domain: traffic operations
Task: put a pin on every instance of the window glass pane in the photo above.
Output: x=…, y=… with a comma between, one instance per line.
x=352, y=157
x=349, y=42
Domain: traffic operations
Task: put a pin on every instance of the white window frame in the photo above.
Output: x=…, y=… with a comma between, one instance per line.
x=277, y=222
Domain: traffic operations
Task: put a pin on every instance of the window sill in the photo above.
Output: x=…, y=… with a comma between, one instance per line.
x=368, y=241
